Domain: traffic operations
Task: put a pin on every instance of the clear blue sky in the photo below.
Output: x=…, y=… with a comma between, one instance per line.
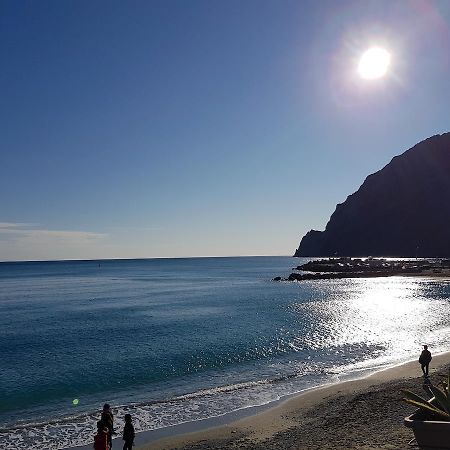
x=196, y=128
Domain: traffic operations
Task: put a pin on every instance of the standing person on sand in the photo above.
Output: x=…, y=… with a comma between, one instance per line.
x=101, y=438
x=128, y=433
x=424, y=360
x=108, y=421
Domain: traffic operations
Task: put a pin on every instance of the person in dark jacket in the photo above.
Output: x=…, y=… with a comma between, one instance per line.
x=424, y=360
x=128, y=433
x=108, y=422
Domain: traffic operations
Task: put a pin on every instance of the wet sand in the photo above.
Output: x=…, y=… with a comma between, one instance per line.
x=363, y=414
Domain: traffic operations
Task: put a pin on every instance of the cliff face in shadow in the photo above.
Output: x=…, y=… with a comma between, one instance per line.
x=401, y=210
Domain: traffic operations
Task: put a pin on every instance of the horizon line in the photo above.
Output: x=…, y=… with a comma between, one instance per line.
x=6, y=261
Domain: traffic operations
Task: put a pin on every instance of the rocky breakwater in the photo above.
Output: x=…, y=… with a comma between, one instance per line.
x=332, y=268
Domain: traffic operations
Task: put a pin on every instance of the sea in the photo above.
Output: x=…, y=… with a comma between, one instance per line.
x=174, y=341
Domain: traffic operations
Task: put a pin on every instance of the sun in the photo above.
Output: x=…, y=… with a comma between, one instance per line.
x=374, y=63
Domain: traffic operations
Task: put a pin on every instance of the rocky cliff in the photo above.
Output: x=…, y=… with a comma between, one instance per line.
x=401, y=210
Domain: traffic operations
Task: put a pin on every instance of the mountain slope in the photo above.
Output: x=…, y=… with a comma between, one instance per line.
x=401, y=210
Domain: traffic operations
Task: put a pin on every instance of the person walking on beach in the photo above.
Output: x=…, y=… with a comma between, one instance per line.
x=424, y=360
x=101, y=440
x=128, y=433
x=108, y=422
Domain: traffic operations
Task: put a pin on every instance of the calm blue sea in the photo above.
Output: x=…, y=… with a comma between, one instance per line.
x=177, y=340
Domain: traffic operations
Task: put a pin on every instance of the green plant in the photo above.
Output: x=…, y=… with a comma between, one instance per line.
x=439, y=406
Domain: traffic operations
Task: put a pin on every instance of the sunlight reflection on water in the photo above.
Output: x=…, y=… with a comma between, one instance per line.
x=392, y=314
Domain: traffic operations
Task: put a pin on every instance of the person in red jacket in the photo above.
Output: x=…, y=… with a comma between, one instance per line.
x=101, y=441
x=108, y=421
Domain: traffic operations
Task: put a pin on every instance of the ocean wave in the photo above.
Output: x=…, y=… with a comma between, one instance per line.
x=78, y=430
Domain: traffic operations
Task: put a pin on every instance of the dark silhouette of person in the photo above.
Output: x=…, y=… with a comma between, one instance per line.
x=424, y=360
x=108, y=421
x=101, y=441
x=128, y=433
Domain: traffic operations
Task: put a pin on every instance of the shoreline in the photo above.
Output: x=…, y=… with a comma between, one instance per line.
x=247, y=428
x=149, y=437
x=267, y=422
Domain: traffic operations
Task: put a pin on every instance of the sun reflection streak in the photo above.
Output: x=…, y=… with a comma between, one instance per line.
x=384, y=317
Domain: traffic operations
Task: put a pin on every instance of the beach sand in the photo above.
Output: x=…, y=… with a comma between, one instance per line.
x=364, y=414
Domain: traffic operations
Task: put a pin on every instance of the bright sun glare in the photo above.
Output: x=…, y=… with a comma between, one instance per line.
x=374, y=63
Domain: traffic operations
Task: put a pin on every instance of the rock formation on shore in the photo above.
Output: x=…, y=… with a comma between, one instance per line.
x=345, y=267
x=403, y=210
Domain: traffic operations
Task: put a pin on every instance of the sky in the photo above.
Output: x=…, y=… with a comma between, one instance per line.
x=139, y=129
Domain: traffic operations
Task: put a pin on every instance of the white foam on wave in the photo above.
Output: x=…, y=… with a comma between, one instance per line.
x=207, y=403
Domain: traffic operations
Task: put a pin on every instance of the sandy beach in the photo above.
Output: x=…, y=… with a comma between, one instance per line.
x=362, y=414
